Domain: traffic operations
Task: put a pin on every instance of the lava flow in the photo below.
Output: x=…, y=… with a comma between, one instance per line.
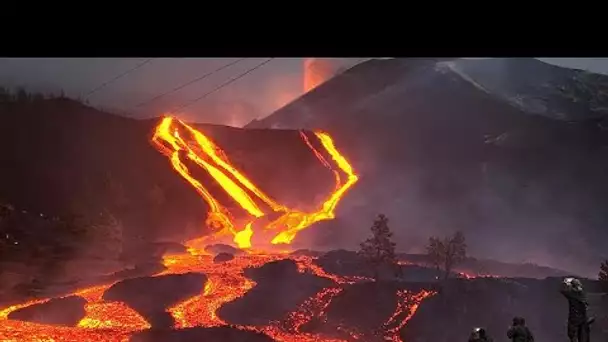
x=114, y=321
x=170, y=139
x=226, y=282
x=104, y=321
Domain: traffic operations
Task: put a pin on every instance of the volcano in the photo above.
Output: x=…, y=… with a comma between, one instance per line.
x=435, y=139
x=510, y=151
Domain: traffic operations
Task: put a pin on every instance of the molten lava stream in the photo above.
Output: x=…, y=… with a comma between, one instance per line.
x=226, y=282
x=114, y=321
x=104, y=321
x=407, y=303
x=109, y=315
x=169, y=139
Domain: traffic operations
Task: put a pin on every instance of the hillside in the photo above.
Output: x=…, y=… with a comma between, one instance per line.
x=437, y=152
x=539, y=88
x=66, y=166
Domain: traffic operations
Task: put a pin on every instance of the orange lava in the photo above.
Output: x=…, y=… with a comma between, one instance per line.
x=227, y=283
x=115, y=321
x=177, y=140
x=407, y=305
x=104, y=321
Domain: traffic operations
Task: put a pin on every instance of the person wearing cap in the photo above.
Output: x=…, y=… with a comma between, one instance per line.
x=519, y=332
x=578, y=319
x=479, y=335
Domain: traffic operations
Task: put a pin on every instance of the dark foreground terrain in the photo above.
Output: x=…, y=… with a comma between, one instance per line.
x=361, y=310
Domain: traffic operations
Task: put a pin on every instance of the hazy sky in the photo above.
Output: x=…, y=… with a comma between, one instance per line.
x=255, y=95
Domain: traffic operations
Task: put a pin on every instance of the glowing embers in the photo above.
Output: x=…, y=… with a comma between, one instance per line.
x=170, y=139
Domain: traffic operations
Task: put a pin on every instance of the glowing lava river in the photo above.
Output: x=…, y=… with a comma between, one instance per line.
x=115, y=321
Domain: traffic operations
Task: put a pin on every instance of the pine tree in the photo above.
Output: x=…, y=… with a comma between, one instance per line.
x=379, y=249
x=448, y=252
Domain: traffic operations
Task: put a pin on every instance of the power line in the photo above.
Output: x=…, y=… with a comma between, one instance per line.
x=234, y=79
x=118, y=77
x=190, y=82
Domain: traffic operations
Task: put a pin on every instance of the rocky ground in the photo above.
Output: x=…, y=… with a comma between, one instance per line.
x=280, y=289
x=152, y=296
x=361, y=309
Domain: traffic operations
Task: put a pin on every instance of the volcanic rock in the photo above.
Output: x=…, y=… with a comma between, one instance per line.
x=139, y=270
x=364, y=307
x=221, y=248
x=151, y=296
x=223, y=257
x=492, y=303
x=280, y=289
x=344, y=263
x=349, y=263
x=67, y=311
x=223, y=334
x=474, y=266
x=416, y=273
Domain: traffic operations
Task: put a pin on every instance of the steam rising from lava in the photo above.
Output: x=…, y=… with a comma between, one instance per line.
x=175, y=139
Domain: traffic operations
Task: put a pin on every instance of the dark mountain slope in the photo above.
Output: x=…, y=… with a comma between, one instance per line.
x=540, y=88
x=436, y=154
x=61, y=156
x=65, y=161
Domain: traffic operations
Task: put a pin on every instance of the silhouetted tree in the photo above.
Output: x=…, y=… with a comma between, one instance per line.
x=447, y=252
x=603, y=275
x=379, y=249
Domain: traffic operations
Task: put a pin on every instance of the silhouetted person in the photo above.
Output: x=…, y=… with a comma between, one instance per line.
x=479, y=335
x=578, y=320
x=519, y=332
